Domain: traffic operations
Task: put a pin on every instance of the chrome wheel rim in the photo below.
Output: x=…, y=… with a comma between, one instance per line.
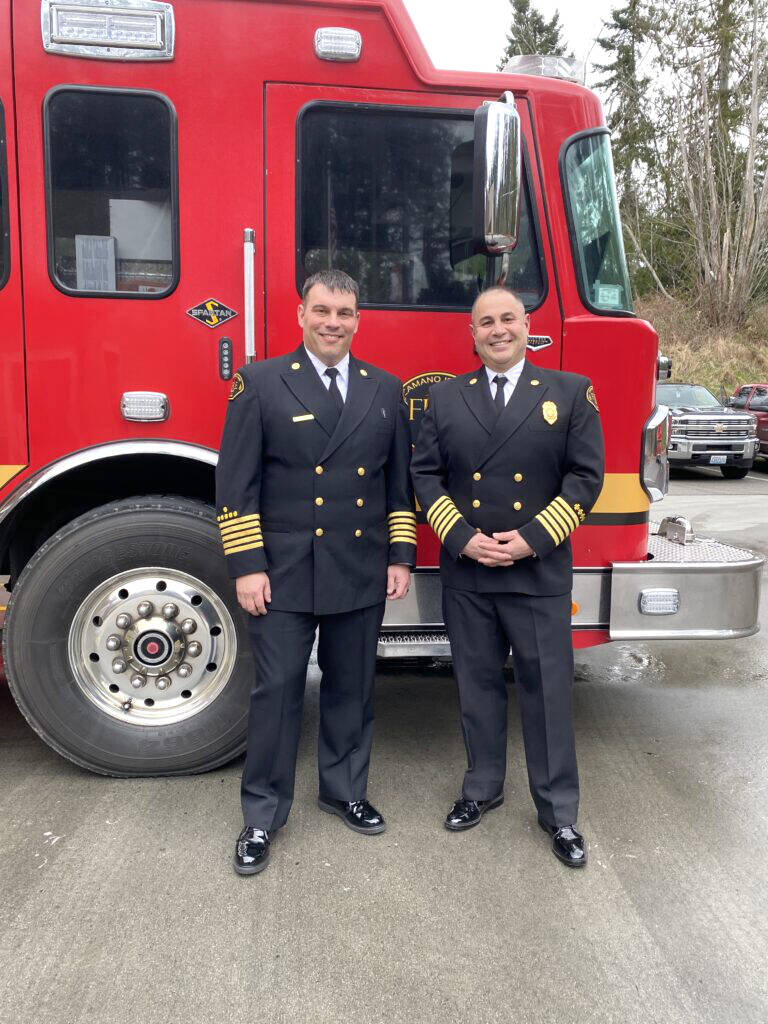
x=152, y=646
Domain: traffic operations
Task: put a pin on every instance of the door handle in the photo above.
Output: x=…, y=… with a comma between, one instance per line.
x=248, y=296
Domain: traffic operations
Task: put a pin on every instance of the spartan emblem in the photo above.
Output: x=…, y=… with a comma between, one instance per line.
x=591, y=397
x=238, y=387
x=212, y=313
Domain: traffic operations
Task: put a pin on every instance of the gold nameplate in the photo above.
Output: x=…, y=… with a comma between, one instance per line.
x=549, y=412
x=303, y=419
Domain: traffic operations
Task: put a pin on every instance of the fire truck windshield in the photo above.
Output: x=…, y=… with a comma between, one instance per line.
x=598, y=247
x=380, y=198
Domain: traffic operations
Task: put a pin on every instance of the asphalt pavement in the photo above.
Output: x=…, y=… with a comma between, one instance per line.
x=119, y=903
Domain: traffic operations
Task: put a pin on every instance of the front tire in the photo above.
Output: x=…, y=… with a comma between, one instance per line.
x=734, y=472
x=124, y=645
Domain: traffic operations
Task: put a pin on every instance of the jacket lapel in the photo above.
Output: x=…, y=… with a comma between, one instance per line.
x=477, y=394
x=361, y=391
x=310, y=390
x=525, y=398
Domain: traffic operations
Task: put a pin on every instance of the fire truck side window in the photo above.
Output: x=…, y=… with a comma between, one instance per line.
x=111, y=183
x=376, y=201
x=596, y=239
x=5, y=261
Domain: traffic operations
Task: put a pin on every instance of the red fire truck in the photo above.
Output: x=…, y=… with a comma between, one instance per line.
x=170, y=174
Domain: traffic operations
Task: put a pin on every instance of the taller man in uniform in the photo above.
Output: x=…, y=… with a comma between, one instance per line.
x=508, y=462
x=316, y=515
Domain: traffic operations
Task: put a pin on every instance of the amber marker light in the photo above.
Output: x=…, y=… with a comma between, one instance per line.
x=575, y=608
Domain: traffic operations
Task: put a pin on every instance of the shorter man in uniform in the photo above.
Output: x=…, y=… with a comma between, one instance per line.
x=316, y=515
x=508, y=462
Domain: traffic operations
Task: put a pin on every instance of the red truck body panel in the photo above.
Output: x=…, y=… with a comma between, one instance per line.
x=242, y=74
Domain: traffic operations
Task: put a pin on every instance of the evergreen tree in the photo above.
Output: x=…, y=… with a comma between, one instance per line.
x=530, y=32
x=626, y=88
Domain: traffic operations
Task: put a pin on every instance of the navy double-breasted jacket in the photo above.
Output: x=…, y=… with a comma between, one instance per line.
x=536, y=468
x=321, y=503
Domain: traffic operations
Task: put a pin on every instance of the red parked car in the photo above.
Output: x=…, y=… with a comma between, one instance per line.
x=754, y=398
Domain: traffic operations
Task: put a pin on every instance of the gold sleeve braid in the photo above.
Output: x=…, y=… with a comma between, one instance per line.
x=402, y=527
x=559, y=519
x=240, y=533
x=442, y=516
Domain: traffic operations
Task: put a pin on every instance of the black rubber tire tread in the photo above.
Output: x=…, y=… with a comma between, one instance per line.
x=228, y=713
x=734, y=472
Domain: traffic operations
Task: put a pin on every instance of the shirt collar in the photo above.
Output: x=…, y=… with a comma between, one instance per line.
x=512, y=374
x=319, y=365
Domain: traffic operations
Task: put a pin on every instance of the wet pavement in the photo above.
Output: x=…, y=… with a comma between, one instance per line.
x=119, y=903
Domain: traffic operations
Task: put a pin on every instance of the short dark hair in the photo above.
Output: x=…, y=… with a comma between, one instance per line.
x=334, y=281
x=496, y=288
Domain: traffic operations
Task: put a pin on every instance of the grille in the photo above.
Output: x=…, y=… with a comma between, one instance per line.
x=724, y=429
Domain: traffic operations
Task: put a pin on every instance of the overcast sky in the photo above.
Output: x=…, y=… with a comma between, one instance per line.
x=470, y=35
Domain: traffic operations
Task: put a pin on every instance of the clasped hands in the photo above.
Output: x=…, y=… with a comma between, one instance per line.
x=254, y=592
x=498, y=550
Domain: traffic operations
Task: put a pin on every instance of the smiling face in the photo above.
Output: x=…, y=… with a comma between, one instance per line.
x=329, y=321
x=500, y=329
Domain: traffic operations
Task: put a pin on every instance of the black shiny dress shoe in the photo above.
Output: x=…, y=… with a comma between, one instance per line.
x=467, y=813
x=251, y=851
x=358, y=815
x=568, y=845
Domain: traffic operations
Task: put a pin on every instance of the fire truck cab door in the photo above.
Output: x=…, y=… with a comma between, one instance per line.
x=360, y=180
x=13, y=438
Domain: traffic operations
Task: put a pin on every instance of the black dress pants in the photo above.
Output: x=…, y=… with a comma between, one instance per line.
x=282, y=643
x=482, y=628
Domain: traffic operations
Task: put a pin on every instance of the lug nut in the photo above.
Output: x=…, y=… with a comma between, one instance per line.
x=145, y=609
x=188, y=626
x=127, y=704
x=194, y=649
x=119, y=665
x=184, y=670
x=123, y=620
x=162, y=682
x=114, y=643
x=138, y=681
x=170, y=610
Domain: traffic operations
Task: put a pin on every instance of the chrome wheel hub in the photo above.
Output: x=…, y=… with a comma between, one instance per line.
x=152, y=646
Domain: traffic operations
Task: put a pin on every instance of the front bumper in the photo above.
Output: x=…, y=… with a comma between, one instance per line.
x=682, y=451
x=718, y=587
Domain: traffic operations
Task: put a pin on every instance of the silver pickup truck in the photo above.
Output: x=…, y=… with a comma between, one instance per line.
x=703, y=432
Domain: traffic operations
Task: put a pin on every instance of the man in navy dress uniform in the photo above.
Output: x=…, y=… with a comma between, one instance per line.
x=315, y=508
x=508, y=463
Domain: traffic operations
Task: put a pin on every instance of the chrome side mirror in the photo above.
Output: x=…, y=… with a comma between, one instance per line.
x=497, y=178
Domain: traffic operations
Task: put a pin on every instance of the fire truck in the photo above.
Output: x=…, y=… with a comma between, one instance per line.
x=170, y=174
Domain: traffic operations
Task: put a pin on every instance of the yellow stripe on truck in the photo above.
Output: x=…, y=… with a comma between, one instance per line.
x=621, y=493
x=8, y=472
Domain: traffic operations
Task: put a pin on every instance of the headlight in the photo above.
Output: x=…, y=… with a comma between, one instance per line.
x=752, y=429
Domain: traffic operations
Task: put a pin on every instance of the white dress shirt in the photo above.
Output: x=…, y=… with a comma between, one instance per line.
x=342, y=380
x=512, y=375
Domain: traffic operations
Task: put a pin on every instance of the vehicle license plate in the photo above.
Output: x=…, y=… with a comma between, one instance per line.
x=718, y=460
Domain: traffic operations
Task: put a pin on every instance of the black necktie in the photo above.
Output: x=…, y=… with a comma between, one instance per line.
x=332, y=373
x=498, y=401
